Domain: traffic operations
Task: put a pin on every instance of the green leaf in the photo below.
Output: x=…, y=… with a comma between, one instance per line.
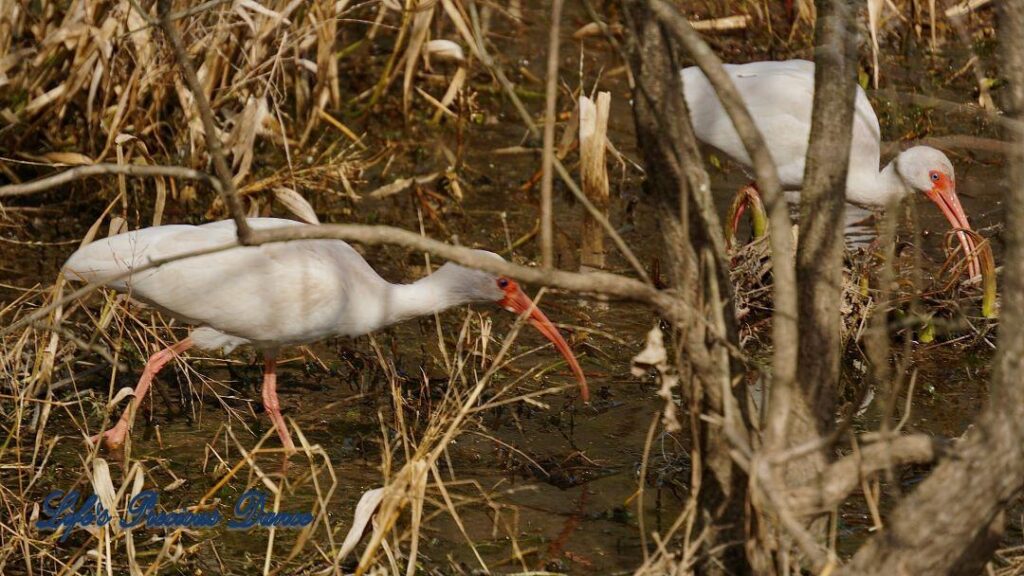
x=927, y=335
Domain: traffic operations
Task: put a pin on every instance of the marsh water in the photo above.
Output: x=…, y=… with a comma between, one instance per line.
x=558, y=478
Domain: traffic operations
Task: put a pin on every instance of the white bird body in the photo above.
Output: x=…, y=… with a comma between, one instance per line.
x=269, y=296
x=277, y=294
x=780, y=97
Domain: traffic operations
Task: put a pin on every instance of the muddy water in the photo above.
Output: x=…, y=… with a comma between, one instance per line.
x=563, y=477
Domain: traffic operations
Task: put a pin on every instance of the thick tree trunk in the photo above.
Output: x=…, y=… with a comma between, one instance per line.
x=679, y=185
x=952, y=522
x=819, y=257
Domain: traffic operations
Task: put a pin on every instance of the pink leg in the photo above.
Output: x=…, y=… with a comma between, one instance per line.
x=270, y=402
x=739, y=206
x=114, y=437
x=748, y=195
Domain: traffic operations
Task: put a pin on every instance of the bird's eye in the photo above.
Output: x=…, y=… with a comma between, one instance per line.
x=502, y=283
x=934, y=176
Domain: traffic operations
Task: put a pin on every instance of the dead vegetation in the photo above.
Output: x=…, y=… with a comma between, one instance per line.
x=928, y=307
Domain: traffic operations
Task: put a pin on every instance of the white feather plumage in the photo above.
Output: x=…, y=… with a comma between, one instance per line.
x=269, y=295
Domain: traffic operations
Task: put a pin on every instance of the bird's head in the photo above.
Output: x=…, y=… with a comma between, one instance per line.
x=929, y=172
x=480, y=286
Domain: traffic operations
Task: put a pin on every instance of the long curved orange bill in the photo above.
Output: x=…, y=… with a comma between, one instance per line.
x=518, y=302
x=949, y=203
x=978, y=253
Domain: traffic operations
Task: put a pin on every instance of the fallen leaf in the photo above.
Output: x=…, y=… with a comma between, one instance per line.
x=68, y=158
x=103, y=488
x=296, y=204
x=444, y=50
x=365, y=508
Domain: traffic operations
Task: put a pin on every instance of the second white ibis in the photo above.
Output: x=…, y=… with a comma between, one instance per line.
x=276, y=295
x=780, y=98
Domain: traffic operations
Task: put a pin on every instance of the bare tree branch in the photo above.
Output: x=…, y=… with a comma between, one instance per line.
x=784, y=319
x=213, y=143
x=952, y=522
x=693, y=242
x=844, y=476
x=603, y=283
x=809, y=413
x=766, y=488
x=822, y=201
x=79, y=172
x=591, y=283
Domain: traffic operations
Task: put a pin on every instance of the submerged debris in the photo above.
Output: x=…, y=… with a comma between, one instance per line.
x=941, y=300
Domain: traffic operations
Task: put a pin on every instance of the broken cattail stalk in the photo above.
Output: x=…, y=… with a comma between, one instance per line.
x=724, y=24
x=964, y=8
x=594, y=176
x=444, y=50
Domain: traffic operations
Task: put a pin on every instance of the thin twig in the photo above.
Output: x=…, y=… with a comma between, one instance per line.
x=784, y=319
x=213, y=143
x=79, y=172
x=563, y=173
x=547, y=256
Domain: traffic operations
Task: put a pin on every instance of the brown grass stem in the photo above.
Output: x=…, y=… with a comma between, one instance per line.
x=213, y=142
x=547, y=256
x=80, y=172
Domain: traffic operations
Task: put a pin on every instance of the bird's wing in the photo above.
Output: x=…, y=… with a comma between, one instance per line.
x=779, y=96
x=865, y=122
x=865, y=148
x=284, y=292
x=107, y=259
x=792, y=83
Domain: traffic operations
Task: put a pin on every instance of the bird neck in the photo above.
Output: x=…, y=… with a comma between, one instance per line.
x=425, y=296
x=892, y=183
x=879, y=190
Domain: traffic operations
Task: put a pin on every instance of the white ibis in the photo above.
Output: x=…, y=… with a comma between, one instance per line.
x=780, y=97
x=276, y=295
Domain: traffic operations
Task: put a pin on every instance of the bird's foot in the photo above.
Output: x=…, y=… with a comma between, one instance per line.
x=113, y=438
x=747, y=197
x=289, y=446
x=289, y=450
